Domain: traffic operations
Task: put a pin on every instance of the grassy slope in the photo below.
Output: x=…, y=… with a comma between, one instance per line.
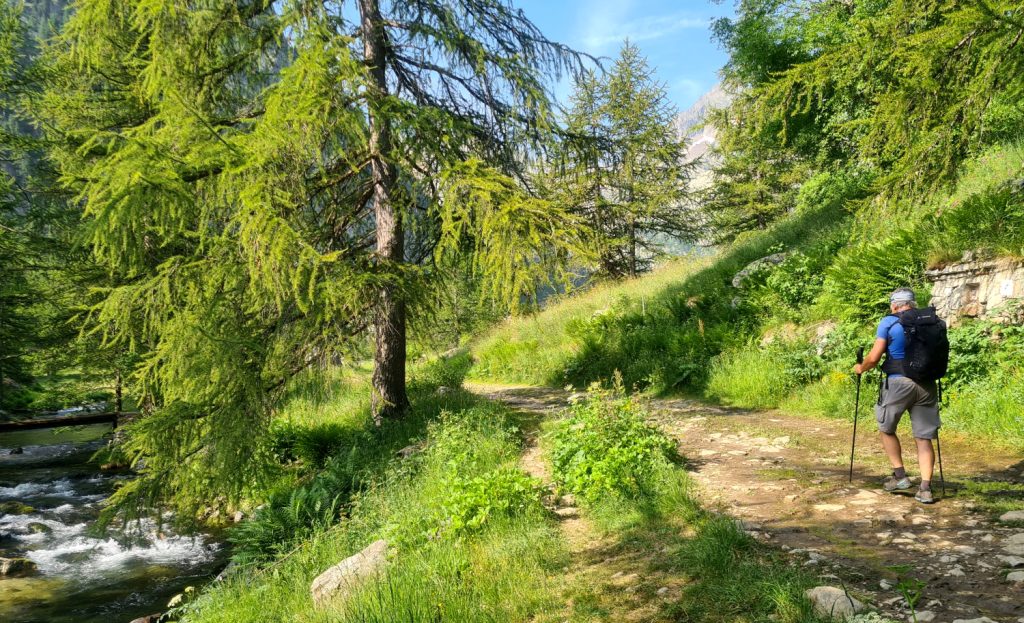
x=659, y=331
x=675, y=330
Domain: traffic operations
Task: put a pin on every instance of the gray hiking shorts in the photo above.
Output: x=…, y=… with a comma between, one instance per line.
x=900, y=395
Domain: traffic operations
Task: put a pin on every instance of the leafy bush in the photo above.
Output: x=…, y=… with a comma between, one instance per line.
x=991, y=222
x=605, y=448
x=992, y=406
x=831, y=189
x=502, y=492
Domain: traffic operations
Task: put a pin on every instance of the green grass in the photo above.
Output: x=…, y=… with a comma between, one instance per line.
x=722, y=574
x=535, y=349
x=457, y=556
x=660, y=331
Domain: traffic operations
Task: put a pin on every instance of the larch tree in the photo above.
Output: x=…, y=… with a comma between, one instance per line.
x=648, y=177
x=268, y=182
x=621, y=165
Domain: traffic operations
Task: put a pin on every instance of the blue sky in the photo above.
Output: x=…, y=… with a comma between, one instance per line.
x=673, y=35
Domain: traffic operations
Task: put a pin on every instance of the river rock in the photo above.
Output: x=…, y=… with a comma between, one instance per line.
x=18, y=450
x=149, y=618
x=830, y=601
x=13, y=507
x=39, y=528
x=16, y=567
x=349, y=573
x=1012, y=516
x=1015, y=576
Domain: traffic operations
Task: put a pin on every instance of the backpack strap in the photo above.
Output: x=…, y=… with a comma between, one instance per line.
x=890, y=365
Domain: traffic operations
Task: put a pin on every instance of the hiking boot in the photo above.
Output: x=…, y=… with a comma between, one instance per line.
x=893, y=484
x=924, y=496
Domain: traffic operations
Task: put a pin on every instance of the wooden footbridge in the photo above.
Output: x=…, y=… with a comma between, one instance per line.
x=78, y=419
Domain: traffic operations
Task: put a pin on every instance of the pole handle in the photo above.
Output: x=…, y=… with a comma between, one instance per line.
x=860, y=354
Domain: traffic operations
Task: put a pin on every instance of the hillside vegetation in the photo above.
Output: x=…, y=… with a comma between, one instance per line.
x=786, y=337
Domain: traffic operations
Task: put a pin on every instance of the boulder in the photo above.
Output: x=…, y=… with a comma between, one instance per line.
x=18, y=450
x=16, y=567
x=1012, y=516
x=149, y=618
x=764, y=263
x=833, y=602
x=337, y=581
x=39, y=528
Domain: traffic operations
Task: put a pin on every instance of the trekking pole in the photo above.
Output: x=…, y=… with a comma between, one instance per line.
x=856, y=411
x=938, y=444
x=942, y=477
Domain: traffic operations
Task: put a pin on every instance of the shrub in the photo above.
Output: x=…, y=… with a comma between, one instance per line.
x=502, y=492
x=991, y=221
x=605, y=448
x=992, y=406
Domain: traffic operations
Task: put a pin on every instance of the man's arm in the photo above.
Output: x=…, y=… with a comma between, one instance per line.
x=872, y=358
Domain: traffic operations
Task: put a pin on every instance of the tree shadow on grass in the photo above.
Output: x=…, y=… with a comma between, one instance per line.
x=667, y=343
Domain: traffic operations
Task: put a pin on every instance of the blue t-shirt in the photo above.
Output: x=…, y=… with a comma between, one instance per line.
x=891, y=330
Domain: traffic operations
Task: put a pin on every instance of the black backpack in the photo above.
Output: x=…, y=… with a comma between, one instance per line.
x=926, y=356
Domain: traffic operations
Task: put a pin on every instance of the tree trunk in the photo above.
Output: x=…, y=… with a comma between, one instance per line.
x=118, y=399
x=389, y=395
x=632, y=246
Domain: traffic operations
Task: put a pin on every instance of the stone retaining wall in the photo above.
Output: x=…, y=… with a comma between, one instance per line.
x=978, y=289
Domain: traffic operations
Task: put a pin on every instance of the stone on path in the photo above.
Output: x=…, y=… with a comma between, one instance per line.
x=977, y=620
x=347, y=574
x=1016, y=576
x=830, y=601
x=1012, y=561
x=1014, y=544
x=1012, y=516
x=923, y=616
x=828, y=508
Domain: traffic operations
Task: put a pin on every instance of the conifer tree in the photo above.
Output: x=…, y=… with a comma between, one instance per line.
x=251, y=173
x=647, y=173
x=621, y=167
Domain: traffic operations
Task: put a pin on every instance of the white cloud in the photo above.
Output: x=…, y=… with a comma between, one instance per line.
x=606, y=25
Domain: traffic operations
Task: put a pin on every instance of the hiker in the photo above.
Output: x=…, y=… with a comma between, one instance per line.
x=899, y=393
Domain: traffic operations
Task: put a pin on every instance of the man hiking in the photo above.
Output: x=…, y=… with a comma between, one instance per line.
x=900, y=393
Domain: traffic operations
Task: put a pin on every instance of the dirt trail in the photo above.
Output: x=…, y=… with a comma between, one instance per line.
x=786, y=478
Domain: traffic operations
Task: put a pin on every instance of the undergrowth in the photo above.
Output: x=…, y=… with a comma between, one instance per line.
x=468, y=536
x=728, y=576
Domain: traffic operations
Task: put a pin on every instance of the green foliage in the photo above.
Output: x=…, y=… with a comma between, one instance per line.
x=465, y=526
x=503, y=492
x=235, y=163
x=620, y=167
x=858, y=284
x=936, y=57
x=604, y=448
x=762, y=377
x=991, y=222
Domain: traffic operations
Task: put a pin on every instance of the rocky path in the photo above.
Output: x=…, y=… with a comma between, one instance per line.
x=786, y=479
